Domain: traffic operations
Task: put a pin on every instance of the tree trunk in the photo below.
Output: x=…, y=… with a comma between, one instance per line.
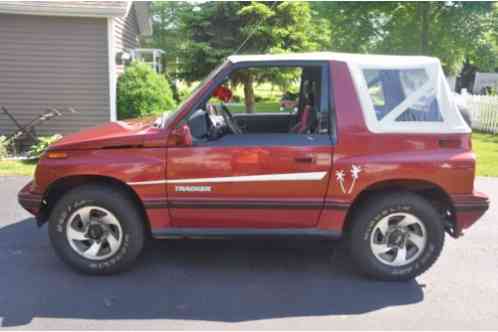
x=424, y=14
x=249, y=93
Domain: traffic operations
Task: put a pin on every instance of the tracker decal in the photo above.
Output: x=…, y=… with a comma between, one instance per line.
x=191, y=189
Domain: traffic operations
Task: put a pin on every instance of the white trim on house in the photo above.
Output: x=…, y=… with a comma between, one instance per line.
x=144, y=18
x=112, y=69
x=59, y=8
x=128, y=7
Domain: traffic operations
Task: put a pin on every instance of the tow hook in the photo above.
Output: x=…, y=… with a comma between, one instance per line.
x=449, y=227
x=42, y=216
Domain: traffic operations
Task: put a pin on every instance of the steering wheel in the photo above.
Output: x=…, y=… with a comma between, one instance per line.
x=228, y=117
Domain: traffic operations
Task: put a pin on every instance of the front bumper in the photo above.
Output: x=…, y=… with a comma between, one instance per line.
x=468, y=209
x=30, y=201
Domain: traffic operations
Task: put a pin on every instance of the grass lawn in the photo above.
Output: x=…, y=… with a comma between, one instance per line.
x=263, y=107
x=485, y=146
x=17, y=167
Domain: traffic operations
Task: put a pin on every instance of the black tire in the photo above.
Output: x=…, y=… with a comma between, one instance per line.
x=372, y=212
x=113, y=200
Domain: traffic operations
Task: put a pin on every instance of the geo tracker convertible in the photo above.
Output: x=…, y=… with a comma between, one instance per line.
x=373, y=150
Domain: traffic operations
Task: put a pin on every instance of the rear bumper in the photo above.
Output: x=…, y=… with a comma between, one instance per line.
x=31, y=202
x=468, y=209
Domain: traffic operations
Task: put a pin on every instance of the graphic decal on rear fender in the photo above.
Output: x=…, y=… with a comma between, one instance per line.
x=340, y=175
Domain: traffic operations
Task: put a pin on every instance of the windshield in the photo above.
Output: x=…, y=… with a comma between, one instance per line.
x=168, y=115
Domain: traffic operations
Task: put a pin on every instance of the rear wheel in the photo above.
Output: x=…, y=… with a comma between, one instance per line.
x=96, y=230
x=396, y=237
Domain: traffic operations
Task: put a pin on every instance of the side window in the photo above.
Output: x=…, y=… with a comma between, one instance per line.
x=265, y=89
x=402, y=95
x=284, y=100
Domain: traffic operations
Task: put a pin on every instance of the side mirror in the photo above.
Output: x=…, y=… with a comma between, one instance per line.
x=182, y=136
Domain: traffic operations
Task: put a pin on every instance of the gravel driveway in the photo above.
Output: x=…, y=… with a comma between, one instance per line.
x=243, y=284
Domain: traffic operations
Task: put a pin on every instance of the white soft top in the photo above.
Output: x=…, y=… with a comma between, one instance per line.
x=350, y=58
x=398, y=94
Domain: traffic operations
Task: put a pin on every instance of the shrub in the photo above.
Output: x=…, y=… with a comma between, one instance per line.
x=43, y=142
x=3, y=147
x=491, y=90
x=142, y=92
x=185, y=90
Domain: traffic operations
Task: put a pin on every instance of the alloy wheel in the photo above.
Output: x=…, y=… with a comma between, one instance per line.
x=398, y=239
x=94, y=232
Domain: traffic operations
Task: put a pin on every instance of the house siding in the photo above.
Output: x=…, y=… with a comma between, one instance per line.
x=53, y=61
x=126, y=33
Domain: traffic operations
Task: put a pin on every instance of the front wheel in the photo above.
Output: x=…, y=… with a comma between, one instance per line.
x=396, y=237
x=96, y=230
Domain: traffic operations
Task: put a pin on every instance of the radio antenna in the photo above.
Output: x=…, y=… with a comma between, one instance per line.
x=253, y=31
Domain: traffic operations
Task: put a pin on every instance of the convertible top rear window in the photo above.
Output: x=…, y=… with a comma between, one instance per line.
x=406, y=97
x=389, y=87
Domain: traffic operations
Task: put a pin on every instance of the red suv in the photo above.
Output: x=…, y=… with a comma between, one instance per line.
x=374, y=151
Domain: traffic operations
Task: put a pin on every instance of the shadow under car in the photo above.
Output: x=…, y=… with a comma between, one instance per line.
x=214, y=280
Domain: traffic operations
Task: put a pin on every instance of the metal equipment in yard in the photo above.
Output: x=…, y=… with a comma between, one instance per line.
x=25, y=134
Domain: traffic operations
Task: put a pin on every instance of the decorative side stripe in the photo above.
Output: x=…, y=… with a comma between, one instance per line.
x=144, y=183
x=309, y=176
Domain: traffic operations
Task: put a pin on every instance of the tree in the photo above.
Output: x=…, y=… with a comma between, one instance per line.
x=168, y=36
x=202, y=34
x=216, y=30
x=354, y=27
x=167, y=33
x=452, y=31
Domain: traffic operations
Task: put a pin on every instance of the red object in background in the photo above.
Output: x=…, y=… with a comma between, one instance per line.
x=288, y=104
x=223, y=93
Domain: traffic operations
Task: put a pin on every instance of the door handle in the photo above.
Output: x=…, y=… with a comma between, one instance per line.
x=307, y=160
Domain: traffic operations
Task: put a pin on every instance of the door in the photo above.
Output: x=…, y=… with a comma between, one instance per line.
x=259, y=180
